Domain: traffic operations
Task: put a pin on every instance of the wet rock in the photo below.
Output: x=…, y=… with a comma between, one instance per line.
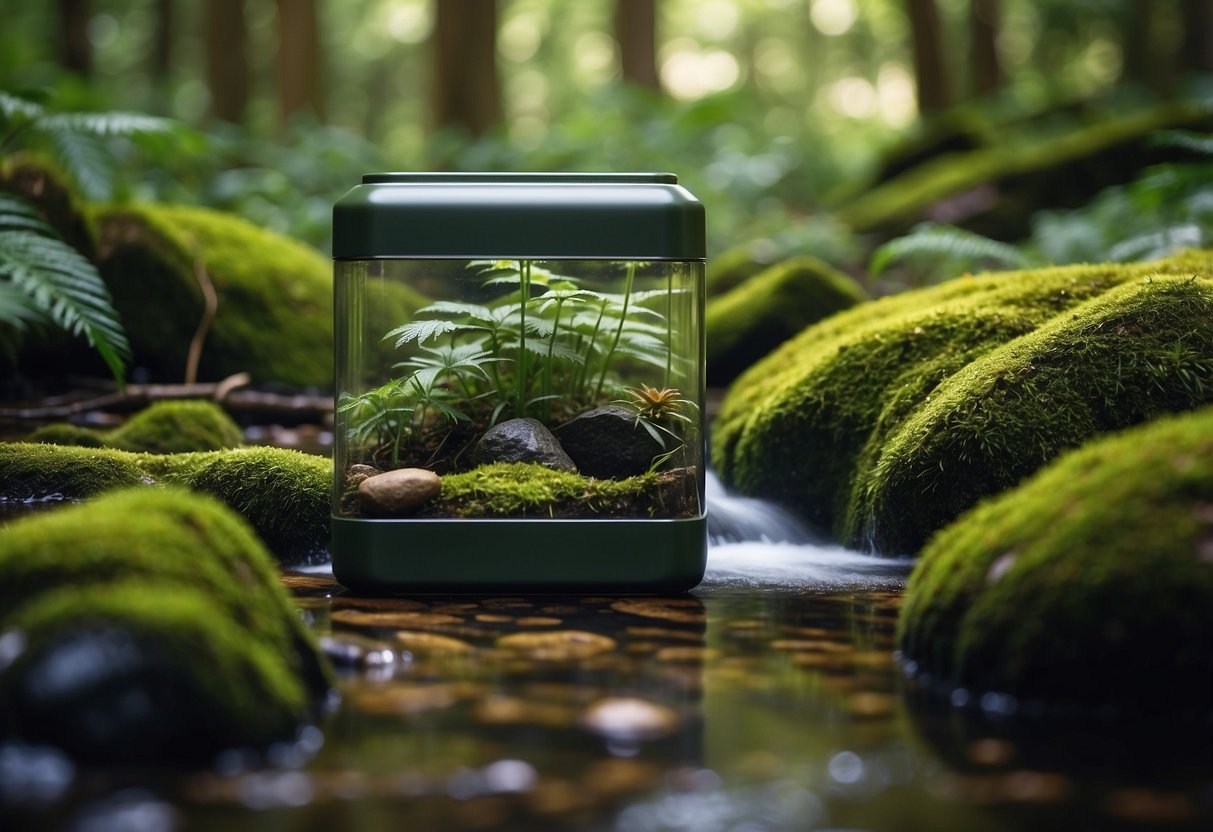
x=522, y=440
x=607, y=443
x=399, y=491
x=629, y=719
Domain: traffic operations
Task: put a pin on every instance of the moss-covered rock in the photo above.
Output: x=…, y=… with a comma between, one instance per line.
x=808, y=424
x=752, y=319
x=283, y=494
x=170, y=427
x=736, y=265
x=1090, y=583
x=1019, y=175
x=275, y=312
x=65, y=433
x=521, y=489
x=195, y=646
x=1141, y=350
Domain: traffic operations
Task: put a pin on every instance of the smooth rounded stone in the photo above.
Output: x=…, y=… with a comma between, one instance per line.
x=629, y=719
x=399, y=491
x=522, y=440
x=607, y=443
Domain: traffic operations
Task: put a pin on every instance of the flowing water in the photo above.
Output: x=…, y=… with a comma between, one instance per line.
x=768, y=699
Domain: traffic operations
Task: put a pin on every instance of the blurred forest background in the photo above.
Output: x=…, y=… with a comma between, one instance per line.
x=784, y=116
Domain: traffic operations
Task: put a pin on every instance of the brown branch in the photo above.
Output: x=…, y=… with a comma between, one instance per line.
x=210, y=299
x=136, y=395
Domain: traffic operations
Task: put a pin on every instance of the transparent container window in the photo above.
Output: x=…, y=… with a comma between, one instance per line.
x=434, y=353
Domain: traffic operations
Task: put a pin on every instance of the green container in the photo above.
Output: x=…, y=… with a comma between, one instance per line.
x=535, y=340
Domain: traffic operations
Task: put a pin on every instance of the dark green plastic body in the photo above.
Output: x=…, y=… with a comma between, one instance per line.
x=628, y=556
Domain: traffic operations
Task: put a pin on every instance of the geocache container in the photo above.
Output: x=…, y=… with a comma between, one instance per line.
x=535, y=341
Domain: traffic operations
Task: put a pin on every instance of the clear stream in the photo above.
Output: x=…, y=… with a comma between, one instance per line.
x=769, y=699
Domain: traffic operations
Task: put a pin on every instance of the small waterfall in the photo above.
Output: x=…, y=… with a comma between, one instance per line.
x=756, y=545
x=733, y=519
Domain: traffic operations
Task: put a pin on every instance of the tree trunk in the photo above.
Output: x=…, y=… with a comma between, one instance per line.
x=636, y=33
x=464, y=53
x=162, y=40
x=227, y=66
x=926, y=32
x=76, y=53
x=1198, y=36
x=300, y=60
x=984, y=21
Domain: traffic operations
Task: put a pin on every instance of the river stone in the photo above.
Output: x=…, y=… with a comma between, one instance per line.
x=522, y=440
x=399, y=491
x=607, y=443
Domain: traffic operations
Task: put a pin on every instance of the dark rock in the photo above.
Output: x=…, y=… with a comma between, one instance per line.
x=399, y=491
x=522, y=440
x=607, y=443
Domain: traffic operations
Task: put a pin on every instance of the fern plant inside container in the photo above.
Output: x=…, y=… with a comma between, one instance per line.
x=534, y=420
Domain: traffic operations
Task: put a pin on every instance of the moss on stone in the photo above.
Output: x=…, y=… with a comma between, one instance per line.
x=734, y=266
x=1089, y=583
x=804, y=425
x=186, y=579
x=1030, y=173
x=169, y=427
x=752, y=319
x=1141, y=350
x=275, y=313
x=283, y=494
x=65, y=433
x=521, y=489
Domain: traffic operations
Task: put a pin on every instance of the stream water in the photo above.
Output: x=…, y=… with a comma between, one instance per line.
x=768, y=699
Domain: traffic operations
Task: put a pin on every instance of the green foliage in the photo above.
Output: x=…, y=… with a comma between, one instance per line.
x=959, y=248
x=42, y=279
x=76, y=141
x=548, y=349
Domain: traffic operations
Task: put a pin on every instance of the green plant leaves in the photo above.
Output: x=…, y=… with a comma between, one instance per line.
x=945, y=241
x=59, y=284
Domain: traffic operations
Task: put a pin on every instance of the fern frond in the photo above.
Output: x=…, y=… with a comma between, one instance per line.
x=18, y=215
x=447, y=307
x=66, y=288
x=14, y=107
x=17, y=308
x=104, y=125
x=1189, y=140
x=1157, y=244
x=81, y=157
x=947, y=241
x=422, y=331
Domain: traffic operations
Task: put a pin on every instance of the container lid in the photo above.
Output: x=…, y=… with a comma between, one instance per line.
x=624, y=216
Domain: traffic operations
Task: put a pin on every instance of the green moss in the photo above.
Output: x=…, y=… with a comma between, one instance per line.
x=275, y=313
x=1030, y=173
x=749, y=321
x=64, y=433
x=1143, y=349
x=522, y=489
x=736, y=265
x=283, y=494
x=807, y=423
x=1090, y=582
x=169, y=427
x=191, y=582
x=152, y=535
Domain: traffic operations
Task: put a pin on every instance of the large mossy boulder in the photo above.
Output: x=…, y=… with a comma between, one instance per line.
x=886, y=421
x=1090, y=584
x=274, y=317
x=169, y=613
x=284, y=495
x=995, y=188
x=749, y=321
x=165, y=427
